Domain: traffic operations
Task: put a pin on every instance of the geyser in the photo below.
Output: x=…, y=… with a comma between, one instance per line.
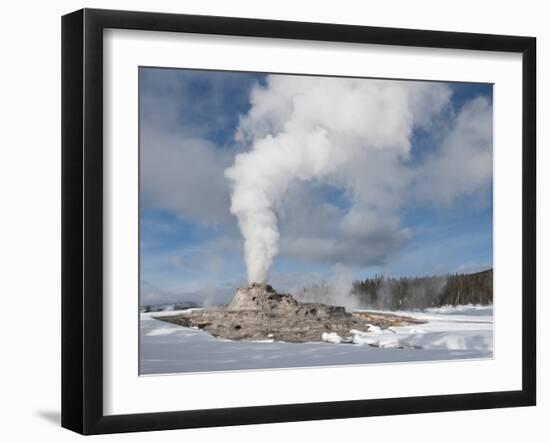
x=307, y=128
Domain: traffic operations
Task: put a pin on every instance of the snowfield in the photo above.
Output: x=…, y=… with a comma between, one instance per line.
x=463, y=332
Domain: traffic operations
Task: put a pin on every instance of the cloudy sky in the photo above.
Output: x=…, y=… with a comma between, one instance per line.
x=295, y=179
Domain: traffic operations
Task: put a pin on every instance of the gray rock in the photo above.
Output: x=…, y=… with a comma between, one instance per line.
x=258, y=312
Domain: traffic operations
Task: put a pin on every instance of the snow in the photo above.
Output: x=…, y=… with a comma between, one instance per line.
x=333, y=337
x=456, y=328
x=462, y=332
x=374, y=329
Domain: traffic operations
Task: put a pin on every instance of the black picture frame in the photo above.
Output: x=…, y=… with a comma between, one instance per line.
x=82, y=219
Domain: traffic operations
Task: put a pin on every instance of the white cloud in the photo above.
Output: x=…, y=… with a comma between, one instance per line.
x=181, y=168
x=464, y=163
x=184, y=175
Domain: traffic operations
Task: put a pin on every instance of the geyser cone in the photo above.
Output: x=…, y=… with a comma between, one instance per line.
x=256, y=297
x=258, y=312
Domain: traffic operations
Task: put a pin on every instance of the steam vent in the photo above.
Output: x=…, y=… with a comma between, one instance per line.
x=258, y=312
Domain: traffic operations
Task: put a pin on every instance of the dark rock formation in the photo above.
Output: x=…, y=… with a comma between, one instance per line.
x=258, y=312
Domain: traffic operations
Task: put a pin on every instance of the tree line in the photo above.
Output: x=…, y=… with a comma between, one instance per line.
x=424, y=292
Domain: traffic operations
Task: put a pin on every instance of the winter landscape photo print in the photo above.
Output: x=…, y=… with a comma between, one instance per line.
x=294, y=221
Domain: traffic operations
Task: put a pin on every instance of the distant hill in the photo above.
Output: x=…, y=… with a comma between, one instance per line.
x=179, y=306
x=424, y=292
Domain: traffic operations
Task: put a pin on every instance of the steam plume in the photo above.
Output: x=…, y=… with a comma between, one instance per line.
x=303, y=128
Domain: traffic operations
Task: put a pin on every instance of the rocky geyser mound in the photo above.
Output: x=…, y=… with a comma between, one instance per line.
x=258, y=312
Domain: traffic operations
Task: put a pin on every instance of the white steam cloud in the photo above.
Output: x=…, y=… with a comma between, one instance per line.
x=334, y=288
x=303, y=129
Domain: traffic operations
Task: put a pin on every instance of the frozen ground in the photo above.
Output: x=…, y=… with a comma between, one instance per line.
x=462, y=332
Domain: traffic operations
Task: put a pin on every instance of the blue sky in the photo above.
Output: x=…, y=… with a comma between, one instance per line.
x=191, y=246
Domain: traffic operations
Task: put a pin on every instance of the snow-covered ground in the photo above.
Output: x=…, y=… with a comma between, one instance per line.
x=463, y=332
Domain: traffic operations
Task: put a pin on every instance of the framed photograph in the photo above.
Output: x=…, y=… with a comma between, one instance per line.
x=268, y=221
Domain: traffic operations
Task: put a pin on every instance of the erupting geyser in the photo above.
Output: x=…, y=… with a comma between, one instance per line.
x=304, y=129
